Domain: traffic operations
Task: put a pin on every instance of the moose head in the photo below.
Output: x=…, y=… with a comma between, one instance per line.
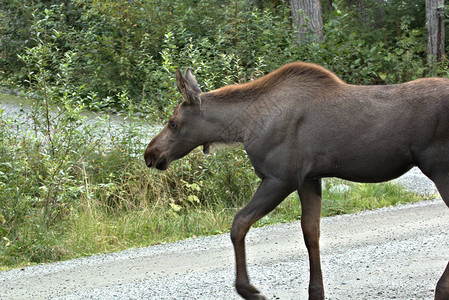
x=184, y=130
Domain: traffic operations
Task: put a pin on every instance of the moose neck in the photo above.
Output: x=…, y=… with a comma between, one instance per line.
x=231, y=120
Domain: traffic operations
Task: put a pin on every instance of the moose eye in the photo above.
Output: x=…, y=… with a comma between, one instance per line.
x=171, y=124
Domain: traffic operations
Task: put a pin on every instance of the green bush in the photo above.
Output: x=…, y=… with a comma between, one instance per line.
x=137, y=47
x=100, y=196
x=73, y=184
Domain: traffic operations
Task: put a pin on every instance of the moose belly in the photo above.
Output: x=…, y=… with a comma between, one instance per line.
x=363, y=166
x=372, y=174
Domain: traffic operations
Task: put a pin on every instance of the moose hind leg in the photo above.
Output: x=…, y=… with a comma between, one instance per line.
x=310, y=196
x=270, y=193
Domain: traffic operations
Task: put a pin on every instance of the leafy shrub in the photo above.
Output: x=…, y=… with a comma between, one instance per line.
x=61, y=168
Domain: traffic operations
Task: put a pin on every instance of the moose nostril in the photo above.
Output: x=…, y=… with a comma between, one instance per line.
x=147, y=158
x=149, y=162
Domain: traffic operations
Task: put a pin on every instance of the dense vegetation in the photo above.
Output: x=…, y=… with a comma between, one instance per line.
x=135, y=46
x=72, y=184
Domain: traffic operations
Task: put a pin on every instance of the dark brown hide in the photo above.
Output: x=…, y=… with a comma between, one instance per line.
x=301, y=123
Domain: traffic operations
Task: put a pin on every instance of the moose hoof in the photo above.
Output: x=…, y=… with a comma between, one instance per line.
x=249, y=292
x=316, y=293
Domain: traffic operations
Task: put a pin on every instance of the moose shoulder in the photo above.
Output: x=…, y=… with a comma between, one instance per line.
x=301, y=123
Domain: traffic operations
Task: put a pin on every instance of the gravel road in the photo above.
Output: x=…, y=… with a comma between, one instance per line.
x=390, y=253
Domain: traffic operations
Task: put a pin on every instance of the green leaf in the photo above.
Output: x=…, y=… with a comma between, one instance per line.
x=382, y=75
x=195, y=187
x=193, y=199
x=175, y=207
x=399, y=51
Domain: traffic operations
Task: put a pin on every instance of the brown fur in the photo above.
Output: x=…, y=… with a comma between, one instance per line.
x=307, y=73
x=302, y=123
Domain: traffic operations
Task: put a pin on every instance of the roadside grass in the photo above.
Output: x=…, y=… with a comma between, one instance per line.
x=78, y=194
x=96, y=229
x=349, y=197
x=109, y=221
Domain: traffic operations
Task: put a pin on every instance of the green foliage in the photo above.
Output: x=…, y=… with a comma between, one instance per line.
x=73, y=184
x=137, y=46
x=104, y=198
x=342, y=197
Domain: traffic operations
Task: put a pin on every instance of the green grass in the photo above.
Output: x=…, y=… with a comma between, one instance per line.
x=94, y=225
x=150, y=207
x=84, y=198
x=354, y=198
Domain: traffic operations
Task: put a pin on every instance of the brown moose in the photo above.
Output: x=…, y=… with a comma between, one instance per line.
x=301, y=123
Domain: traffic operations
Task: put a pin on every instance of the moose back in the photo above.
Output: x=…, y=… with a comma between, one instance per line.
x=301, y=123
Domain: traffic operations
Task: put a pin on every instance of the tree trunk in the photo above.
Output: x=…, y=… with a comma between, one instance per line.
x=307, y=20
x=435, y=30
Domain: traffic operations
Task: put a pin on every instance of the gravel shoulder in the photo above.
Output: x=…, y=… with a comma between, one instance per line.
x=390, y=253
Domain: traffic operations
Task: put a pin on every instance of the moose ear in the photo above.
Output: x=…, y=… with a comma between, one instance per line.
x=192, y=81
x=188, y=87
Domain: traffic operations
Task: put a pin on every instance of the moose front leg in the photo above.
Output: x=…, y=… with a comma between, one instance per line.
x=310, y=196
x=270, y=193
x=442, y=289
x=441, y=180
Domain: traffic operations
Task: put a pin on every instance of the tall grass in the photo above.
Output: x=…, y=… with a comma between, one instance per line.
x=100, y=197
x=73, y=185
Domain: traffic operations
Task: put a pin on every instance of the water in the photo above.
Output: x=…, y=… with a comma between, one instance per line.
x=105, y=126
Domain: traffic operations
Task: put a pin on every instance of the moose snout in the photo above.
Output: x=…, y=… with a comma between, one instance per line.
x=154, y=158
x=151, y=156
